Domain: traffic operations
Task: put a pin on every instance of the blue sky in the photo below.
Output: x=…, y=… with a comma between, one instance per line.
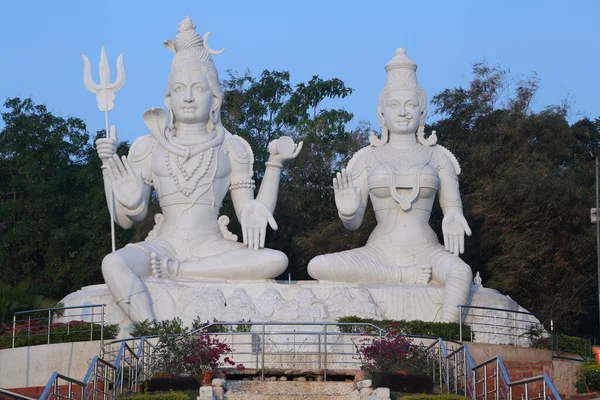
x=350, y=40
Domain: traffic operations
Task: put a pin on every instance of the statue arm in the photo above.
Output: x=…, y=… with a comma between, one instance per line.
x=351, y=190
x=454, y=224
x=126, y=183
x=358, y=188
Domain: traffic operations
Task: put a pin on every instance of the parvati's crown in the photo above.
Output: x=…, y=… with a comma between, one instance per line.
x=401, y=71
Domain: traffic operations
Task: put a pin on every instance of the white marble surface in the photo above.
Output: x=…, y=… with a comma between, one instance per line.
x=191, y=161
x=399, y=174
x=300, y=301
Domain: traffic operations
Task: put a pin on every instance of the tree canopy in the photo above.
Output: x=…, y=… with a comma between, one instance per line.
x=527, y=185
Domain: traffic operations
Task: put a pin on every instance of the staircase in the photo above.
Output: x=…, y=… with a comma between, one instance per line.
x=290, y=390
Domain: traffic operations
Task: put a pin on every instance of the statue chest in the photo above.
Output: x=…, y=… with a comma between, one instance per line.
x=174, y=175
x=403, y=178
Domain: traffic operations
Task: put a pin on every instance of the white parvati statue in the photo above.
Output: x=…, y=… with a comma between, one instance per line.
x=192, y=162
x=401, y=173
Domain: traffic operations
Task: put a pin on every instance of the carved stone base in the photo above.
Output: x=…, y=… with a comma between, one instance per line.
x=282, y=301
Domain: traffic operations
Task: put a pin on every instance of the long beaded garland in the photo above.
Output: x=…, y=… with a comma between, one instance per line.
x=187, y=176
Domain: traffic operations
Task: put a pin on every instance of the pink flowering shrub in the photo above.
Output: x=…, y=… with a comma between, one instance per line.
x=193, y=355
x=390, y=353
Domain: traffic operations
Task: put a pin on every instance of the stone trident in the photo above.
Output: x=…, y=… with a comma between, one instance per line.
x=105, y=96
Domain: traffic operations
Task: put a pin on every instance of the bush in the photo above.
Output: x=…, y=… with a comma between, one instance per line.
x=445, y=330
x=571, y=344
x=36, y=333
x=167, y=382
x=175, y=327
x=390, y=353
x=192, y=355
x=591, y=372
x=433, y=397
x=403, y=383
x=160, y=396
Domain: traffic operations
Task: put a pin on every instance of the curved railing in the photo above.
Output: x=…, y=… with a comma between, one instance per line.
x=126, y=363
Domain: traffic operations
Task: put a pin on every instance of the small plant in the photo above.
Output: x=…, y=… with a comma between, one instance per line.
x=445, y=330
x=589, y=377
x=193, y=355
x=390, y=353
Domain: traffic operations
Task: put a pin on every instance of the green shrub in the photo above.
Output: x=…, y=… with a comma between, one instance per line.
x=175, y=327
x=591, y=372
x=445, y=330
x=433, y=397
x=77, y=331
x=159, y=396
x=571, y=344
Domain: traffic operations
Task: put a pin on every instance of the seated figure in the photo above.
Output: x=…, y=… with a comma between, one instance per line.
x=401, y=172
x=192, y=162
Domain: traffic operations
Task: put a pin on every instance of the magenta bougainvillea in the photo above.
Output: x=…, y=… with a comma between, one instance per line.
x=389, y=353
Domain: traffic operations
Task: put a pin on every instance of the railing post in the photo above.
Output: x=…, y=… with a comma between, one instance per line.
x=461, y=323
x=56, y=388
x=485, y=388
x=69, y=390
x=319, y=351
x=262, y=373
x=14, y=330
x=515, y=335
x=498, y=379
x=441, y=359
x=92, y=325
x=102, y=331
x=325, y=352
x=465, y=370
x=49, y=322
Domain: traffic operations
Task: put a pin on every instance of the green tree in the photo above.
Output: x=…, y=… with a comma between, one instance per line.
x=264, y=108
x=53, y=216
x=527, y=190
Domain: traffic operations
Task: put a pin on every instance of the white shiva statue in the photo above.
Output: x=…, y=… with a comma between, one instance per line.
x=191, y=162
x=401, y=172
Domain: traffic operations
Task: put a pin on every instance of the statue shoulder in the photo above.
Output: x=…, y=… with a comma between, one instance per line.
x=238, y=148
x=141, y=148
x=445, y=159
x=239, y=152
x=360, y=161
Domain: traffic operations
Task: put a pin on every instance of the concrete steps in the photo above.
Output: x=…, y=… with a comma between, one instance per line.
x=290, y=390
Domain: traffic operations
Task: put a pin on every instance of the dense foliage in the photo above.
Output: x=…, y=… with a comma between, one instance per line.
x=175, y=326
x=589, y=373
x=37, y=332
x=192, y=355
x=389, y=353
x=444, y=330
x=527, y=184
x=160, y=396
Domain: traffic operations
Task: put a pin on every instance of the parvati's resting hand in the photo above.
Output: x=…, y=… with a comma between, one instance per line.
x=127, y=185
x=255, y=217
x=454, y=227
x=347, y=196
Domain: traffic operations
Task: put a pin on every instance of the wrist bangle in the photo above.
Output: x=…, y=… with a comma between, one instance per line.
x=274, y=164
x=345, y=218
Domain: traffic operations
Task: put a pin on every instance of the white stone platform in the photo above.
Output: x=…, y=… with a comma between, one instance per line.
x=295, y=301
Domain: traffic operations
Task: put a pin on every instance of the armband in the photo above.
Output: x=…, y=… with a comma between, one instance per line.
x=249, y=184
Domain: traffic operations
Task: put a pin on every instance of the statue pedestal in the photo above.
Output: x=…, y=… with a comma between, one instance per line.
x=282, y=301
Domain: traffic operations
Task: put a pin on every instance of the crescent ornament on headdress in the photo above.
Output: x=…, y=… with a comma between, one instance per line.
x=205, y=44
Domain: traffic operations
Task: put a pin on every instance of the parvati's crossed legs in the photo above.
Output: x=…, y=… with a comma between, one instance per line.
x=456, y=275
x=365, y=264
